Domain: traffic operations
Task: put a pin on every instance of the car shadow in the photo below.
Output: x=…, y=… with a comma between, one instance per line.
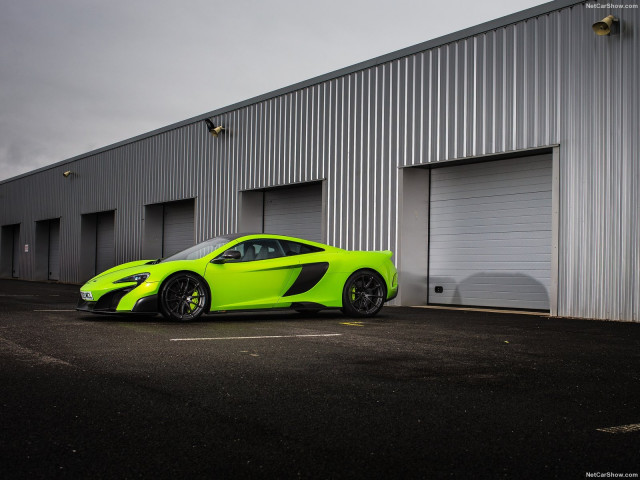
x=235, y=317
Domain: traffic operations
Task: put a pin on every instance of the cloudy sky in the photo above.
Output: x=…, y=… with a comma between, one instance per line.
x=77, y=75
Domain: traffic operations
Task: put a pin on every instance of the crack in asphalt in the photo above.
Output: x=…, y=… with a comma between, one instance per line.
x=25, y=354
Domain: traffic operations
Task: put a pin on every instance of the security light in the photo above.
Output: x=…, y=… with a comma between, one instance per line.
x=603, y=27
x=213, y=130
x=67, y=173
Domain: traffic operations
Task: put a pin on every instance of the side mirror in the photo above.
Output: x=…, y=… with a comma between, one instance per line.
x=228, y=255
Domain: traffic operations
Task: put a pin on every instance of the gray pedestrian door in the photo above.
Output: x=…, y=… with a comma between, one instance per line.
x=54, y=249
x=105, y=252
x=15, y=254
x=178, y=227
x=490, y=234
x=294, y=211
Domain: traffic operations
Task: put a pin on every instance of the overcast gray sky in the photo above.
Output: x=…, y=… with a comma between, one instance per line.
x=77, y=75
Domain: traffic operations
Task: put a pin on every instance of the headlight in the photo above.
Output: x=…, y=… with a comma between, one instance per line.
x=86, y=296
x=137, y=278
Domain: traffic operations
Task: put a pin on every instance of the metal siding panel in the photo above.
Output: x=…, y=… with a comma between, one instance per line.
x=629, y=195
x=598, y=200
x=431, y=110
x=347, y=159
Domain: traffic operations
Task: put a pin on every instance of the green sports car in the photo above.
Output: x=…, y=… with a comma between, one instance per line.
x=246, y=272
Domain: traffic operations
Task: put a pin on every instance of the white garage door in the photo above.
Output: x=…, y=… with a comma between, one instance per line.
x=294, y=211
x=178, y=227
x=54, y=250
x=490, y=234
x=105, y=256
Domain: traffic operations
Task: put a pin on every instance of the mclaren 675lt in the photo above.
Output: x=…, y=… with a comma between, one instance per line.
x=246, y=272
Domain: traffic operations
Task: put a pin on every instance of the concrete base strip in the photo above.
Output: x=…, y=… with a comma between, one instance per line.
x=482, y=309
x=27, y=355
x=252, y=338
x=621, y=429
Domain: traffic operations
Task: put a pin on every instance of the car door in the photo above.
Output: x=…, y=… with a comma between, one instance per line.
x=256, y=280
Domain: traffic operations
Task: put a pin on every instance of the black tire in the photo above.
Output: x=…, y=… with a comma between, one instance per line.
x=183, y=297
x=364, y=294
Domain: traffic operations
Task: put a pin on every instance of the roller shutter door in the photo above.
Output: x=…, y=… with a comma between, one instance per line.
x=105, y=255
x=294, y=211
x=490, y=234
x=15, y=258
x=54, y=250
x=178, y=227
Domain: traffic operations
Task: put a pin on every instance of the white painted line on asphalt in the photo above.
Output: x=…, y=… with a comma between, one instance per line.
x=634, y=427
x=54, y=310
x=252, y=338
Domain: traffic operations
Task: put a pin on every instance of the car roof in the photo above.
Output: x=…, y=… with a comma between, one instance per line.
x=250, y=235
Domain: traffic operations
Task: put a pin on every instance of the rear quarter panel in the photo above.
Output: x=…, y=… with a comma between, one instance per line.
x=342, y=264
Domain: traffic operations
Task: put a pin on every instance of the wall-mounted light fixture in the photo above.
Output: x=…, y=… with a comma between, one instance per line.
x=603, y=27
x=67, y=173
x=213, y=130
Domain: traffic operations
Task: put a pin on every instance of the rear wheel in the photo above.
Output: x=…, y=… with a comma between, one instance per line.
x=364, y=294
x=183, y=297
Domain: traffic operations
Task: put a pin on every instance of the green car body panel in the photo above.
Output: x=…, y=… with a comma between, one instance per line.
x=293, y=280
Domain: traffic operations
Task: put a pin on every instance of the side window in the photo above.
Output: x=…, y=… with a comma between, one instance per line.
x=294, y=248
x=259, y=249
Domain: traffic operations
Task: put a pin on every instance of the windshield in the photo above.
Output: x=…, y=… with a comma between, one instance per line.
x=200, y=250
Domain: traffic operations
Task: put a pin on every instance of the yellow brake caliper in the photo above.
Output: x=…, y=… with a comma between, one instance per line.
x=194, y=301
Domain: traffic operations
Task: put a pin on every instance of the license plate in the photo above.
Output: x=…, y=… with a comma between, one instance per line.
x=86, y=295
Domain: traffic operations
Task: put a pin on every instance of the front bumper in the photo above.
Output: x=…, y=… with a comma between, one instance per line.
x=108, y=303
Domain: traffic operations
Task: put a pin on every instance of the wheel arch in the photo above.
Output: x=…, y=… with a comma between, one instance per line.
x=370, y=269
x=365, y=269
x=207, y=307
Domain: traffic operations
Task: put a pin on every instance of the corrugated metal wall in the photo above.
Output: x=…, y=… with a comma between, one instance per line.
x=547, y=80
x=600, y=171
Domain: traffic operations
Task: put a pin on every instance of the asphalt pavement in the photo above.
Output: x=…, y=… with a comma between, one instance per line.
x=411, y=393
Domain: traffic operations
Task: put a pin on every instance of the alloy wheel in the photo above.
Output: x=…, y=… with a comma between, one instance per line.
x=364, y=294
x=183, y=298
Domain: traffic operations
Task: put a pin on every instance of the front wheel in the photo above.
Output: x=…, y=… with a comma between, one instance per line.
x=183, y=297
x=364, y=294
